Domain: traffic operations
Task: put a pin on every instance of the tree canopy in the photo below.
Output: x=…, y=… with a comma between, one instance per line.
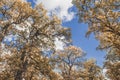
x=32, y=52
x=103, y=19
x=35, y=32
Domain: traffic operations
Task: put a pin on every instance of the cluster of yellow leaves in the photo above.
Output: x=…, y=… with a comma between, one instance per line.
x=30, y=62
x=113, y=70
x=91, y=71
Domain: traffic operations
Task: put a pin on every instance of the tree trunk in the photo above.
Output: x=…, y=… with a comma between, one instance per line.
x=19, y=74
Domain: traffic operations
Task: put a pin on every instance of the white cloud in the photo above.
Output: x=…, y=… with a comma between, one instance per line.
x=59, y=7
x=58, y=44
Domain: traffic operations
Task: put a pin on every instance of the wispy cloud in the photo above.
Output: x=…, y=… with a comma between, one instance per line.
x=59, y=7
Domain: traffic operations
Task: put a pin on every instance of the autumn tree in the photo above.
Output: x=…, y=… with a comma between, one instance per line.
x=71, y=64
x=103, y=18
x=67, y=61
x=35, y=32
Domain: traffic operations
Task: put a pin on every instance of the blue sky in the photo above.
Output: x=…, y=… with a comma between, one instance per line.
x=66, y=11
x=87, y=44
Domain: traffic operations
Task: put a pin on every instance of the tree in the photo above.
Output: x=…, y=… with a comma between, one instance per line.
x=67, y=61
x=103, y=18
x=71, y=65
x=34, y=32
